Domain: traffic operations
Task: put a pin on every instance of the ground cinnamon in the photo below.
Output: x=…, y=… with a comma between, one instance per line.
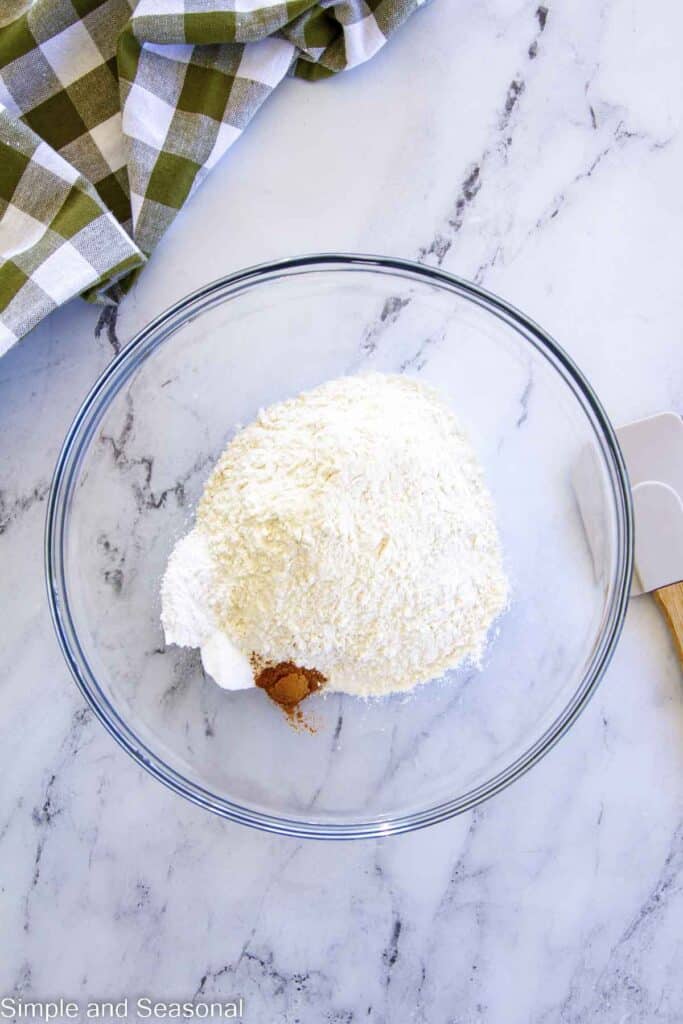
x=288, y=685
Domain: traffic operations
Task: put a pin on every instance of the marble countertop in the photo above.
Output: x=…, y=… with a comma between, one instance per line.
x=538, y=153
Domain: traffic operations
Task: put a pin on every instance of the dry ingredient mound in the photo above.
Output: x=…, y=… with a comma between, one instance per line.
x=351, y=533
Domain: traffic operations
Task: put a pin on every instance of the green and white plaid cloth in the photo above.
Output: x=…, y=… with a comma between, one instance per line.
x=112, y=112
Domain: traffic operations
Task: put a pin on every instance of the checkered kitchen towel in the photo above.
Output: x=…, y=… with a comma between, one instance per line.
x=113, y=111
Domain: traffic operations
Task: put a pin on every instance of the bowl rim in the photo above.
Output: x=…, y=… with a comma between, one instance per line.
x=121, y=368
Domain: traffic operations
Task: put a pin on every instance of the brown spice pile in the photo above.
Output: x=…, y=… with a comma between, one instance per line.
x=288, y=685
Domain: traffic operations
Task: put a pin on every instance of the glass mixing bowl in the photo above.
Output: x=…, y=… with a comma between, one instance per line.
x=133, y=466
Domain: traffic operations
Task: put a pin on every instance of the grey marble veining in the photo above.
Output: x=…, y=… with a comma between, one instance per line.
x=538, y=152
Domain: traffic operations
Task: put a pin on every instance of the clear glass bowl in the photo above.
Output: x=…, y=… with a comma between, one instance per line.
x=133, y=466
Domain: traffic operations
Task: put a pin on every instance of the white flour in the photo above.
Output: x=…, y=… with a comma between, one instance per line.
x=347, y=530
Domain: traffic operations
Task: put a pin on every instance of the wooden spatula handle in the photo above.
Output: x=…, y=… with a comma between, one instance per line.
x=670, y=600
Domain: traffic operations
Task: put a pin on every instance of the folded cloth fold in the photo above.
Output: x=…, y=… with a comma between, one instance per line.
x=112, y=112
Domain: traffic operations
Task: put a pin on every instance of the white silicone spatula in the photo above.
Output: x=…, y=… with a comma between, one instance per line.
x=658, y=564
x=653, y=450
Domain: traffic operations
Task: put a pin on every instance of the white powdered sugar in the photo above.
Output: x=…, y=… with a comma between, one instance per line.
x=188, y=619
x=186, y=591
x=347, y=530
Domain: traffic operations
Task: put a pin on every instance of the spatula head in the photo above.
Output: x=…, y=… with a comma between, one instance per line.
x=658, y=512
x=653, y=450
